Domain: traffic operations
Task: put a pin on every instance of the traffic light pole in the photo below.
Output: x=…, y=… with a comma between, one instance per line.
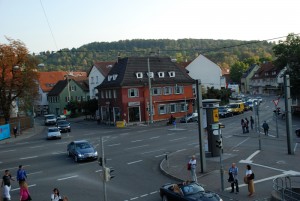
x=221, y=161
x=103, y=170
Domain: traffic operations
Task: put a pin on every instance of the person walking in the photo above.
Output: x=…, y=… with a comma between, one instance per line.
x=266, y=128
x=6, y=185
x=21, y=174
x=243, y=125
x=248, y=179
x=15, y=130
x=233, y=178
x=251, y=122
x=246, y=125
x=24, y=193
x=193, y=164
x=55, y=196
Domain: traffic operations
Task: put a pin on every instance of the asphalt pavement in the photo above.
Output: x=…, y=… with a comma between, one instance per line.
x=267, y=164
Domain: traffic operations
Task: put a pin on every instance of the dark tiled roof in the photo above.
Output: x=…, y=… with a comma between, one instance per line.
x=58, y=88
x=248, y=71
x=103, y=66
x=266, y=70
x=127, y=68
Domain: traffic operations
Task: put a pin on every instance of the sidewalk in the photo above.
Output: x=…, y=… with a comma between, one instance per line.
x=175, y=166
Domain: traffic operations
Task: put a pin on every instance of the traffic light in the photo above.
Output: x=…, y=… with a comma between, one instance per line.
x=107, y=174
x=219, y=143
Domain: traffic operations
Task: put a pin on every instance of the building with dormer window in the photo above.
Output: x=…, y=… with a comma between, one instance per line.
x=124, y=93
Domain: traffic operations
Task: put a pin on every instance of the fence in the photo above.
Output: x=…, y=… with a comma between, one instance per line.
x=22, y=123
x=287, y=188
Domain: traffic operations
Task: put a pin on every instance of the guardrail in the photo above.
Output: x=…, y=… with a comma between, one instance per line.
x=287, y=188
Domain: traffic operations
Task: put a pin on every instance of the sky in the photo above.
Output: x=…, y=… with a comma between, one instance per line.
x=52, y=25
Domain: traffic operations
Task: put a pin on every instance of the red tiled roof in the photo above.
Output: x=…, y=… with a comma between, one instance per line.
x=47, y=80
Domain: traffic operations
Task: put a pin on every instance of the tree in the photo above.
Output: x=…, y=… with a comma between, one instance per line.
x=18, y=76
x=288, y=53
x=237, y=70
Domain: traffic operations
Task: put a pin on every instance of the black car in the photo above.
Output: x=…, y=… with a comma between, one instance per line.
x=63, y=126
x=82, y=150
x=298, y=132
x=188, y=192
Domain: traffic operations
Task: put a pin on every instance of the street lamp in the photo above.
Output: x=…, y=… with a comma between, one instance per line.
x=150, y=92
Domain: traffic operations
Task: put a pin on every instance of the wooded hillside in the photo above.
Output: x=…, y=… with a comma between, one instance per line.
x=223, y=52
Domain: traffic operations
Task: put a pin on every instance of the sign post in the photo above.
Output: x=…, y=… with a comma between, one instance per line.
x=276, y=115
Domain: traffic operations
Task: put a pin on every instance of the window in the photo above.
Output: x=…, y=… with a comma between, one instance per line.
x=156, y=91
x=161, y=74
x=172, y=73
x=79, y=98
x=109, y=77
x=115, y=76
x=97, y=79
x=133, y=93
x=92, y=80
x=102, y=94
x=106, y=94
x=73, y=88
x=172, y=108
x=182, y=107
x=115, y=93
x=162, y=109
x=139, y=75
x=167, y=90
x=109, y=93
x=150, y=74
x=178, y=89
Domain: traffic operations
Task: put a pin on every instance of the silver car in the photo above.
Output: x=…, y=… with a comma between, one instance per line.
x=53, y=133
x=82, y=150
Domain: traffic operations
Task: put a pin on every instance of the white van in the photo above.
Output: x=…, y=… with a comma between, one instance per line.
x=50, y=119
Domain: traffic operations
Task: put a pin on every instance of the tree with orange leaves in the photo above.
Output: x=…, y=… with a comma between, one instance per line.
x=18, y=77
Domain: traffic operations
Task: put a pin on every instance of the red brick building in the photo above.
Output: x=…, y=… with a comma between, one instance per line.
x=124, y=93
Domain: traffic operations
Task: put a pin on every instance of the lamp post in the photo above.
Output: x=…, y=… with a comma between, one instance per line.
x=150, y=92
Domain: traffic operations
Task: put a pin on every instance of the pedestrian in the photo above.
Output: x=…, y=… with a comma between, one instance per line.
x=247, y=125
x=193, y=164
x=233, y=178
x=266, y=128
x=66, y=198
x=21, y=174
x=251, y=122
x=6, y=185
x=24, y=193
x=243, y=125
x=55, y=195
x=15, y=130
x=248, y=179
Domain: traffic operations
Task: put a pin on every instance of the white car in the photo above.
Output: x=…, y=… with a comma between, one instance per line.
x=61, y=117
x=259, y=99
x=53, y=133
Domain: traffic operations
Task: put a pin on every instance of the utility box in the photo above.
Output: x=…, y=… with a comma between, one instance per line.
x=212, y=116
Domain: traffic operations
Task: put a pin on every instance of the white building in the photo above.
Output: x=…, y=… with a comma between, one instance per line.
x=207, y=71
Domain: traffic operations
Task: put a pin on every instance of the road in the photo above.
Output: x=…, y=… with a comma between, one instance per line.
x=134, y=153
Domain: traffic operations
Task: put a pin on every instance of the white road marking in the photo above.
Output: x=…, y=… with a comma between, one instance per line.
x=29, y=157
x=248, y=160
x=136, y=140
x=144, y=195
x=36, y=146
x=240, y=143
x=177, y=139
x=133, y=162
x=137, y=147
x=142, y=131
x=16, y=189
x=154, y=137
x=180, y=150
x=59, y=152
x=98, y=170
x=153, y=151
x=67, y=178
x=112, y=145
x=160, y=155
x=8, y=150
x=124, y=133
x=134, y=198
x=35, y=173
x=171, y=133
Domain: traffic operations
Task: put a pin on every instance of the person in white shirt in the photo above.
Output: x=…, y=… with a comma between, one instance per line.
x=55, y=195
x=193, y=164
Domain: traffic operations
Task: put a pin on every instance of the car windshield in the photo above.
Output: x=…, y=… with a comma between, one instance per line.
x=222, y=110
x=233, y=106
x=53, y=130
x=83, y=146
x=62, y=122
x=191, y=189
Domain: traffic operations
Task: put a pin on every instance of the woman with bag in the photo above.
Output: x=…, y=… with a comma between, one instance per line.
x=24, y=193
x=55, y=195
x=249, y=180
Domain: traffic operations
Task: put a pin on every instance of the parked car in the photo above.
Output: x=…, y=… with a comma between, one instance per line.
x=224, y=112
x=237, y=108
x=61, y=117
x=53, y=133
x=297, y=132
x=63, y=126
x=50, y=119
x=192, y=117
x=82, y=150
x=187, y=192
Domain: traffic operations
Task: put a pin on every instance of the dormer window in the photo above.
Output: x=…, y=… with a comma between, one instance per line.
x=139, y=75
x=161, y=74
x=150, y=74
x=109, y=77
x=115, y=76
x=172, y=73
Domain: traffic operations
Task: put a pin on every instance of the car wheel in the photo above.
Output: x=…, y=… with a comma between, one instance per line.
x=164, y=198
x=69, y=130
